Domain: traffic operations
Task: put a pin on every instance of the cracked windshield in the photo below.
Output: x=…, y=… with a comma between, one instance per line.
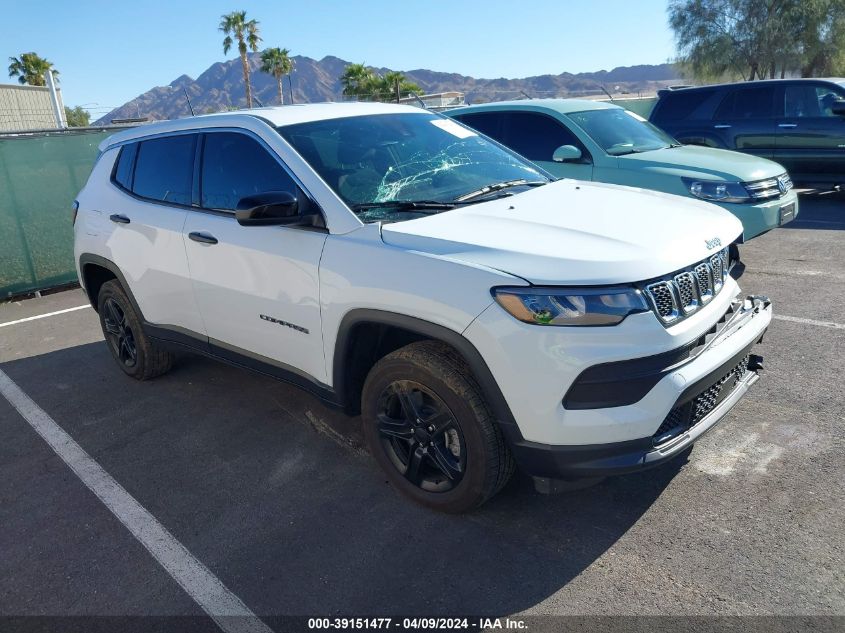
x=394, y=167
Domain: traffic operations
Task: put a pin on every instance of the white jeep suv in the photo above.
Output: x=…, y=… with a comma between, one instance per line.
x=476, y=313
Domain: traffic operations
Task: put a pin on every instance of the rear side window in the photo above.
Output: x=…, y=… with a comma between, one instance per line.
x=235, y=166
x=747, y=103
x=122, y=175
x=676, y=106
x=536, y=136
x=164, y=169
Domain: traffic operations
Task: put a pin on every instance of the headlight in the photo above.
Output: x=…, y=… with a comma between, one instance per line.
x=570, y=306
x=717, y=191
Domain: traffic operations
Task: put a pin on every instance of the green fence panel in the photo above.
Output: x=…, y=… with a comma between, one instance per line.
x=40, y=175
x=643, y=107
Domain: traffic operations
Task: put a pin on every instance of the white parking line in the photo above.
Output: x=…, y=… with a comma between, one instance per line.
x=224, y=607
x=831, y=324
x=43, y=316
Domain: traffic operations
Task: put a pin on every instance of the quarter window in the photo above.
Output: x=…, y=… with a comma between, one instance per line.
x=235, y=166
x=123, y=168
x=164, y=169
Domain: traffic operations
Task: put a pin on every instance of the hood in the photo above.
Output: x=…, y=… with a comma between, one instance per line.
x=574, y=233
x=693, y=161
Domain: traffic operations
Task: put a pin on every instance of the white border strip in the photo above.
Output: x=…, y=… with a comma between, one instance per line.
x=44, y=316
x=830, y=324
x=224, y=607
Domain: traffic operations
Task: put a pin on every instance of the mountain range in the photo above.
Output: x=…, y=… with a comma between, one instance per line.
x=220, y=87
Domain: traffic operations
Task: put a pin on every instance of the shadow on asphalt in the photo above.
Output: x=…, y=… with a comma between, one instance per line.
x=295, y=521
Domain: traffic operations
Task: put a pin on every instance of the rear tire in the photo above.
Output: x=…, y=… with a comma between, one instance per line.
x=429, y=428
x=133, y=351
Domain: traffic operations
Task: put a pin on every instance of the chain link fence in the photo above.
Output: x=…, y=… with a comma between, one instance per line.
x=40, y=175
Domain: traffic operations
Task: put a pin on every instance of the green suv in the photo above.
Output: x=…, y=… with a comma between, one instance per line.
x=593, y=140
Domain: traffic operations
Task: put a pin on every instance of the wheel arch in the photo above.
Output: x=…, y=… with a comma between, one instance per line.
x=366, y=335
x=95, y=271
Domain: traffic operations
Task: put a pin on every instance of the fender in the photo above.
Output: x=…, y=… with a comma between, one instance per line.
x=90, y=258
x=489, y=386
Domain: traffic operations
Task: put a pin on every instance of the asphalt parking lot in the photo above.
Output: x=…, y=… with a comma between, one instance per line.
x=275, y=496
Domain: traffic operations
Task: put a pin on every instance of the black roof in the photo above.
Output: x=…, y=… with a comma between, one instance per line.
x=758, y=82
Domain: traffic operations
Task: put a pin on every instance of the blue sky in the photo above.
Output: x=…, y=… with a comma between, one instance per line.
x=109, y=52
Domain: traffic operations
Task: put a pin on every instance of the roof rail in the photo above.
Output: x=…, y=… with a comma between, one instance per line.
x=674, y=88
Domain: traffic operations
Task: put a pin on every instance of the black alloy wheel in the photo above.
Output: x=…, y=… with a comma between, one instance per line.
x=136, y=354
x=421, y=436
x=119, y=333
x=428, y=425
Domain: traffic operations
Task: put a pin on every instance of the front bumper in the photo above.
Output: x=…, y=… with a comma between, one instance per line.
x=688, y=397
x=601, y=460
x=764, y=216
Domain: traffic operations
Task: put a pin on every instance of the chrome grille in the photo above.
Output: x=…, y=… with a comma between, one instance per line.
x=717, y=266
x=681, y=294
x=704, y=278
x=769, y=187
x=687, y=291
x=663, y=298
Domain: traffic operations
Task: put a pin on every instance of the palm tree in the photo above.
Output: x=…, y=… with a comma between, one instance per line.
x=235, y=25
x=396, y=83
x=276, y=62
x=30, y=69
x=360, y=81
x=357, y=80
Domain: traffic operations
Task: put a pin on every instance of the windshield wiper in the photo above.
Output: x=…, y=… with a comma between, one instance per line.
x=405, y=205
x=483, y=191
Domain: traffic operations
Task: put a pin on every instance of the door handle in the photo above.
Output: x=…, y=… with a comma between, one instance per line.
x=721, y=127
x=202, y=238
x=120, y=219
x=788, y=125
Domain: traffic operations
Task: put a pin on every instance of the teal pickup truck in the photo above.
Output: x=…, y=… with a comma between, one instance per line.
x=594, y=140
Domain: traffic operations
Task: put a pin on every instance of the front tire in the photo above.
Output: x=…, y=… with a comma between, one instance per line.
x=429, y=428
x=133, y=351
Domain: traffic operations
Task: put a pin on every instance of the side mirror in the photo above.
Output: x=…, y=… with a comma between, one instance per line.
x=270, y=209
x=566, y=154
x=838, y=107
